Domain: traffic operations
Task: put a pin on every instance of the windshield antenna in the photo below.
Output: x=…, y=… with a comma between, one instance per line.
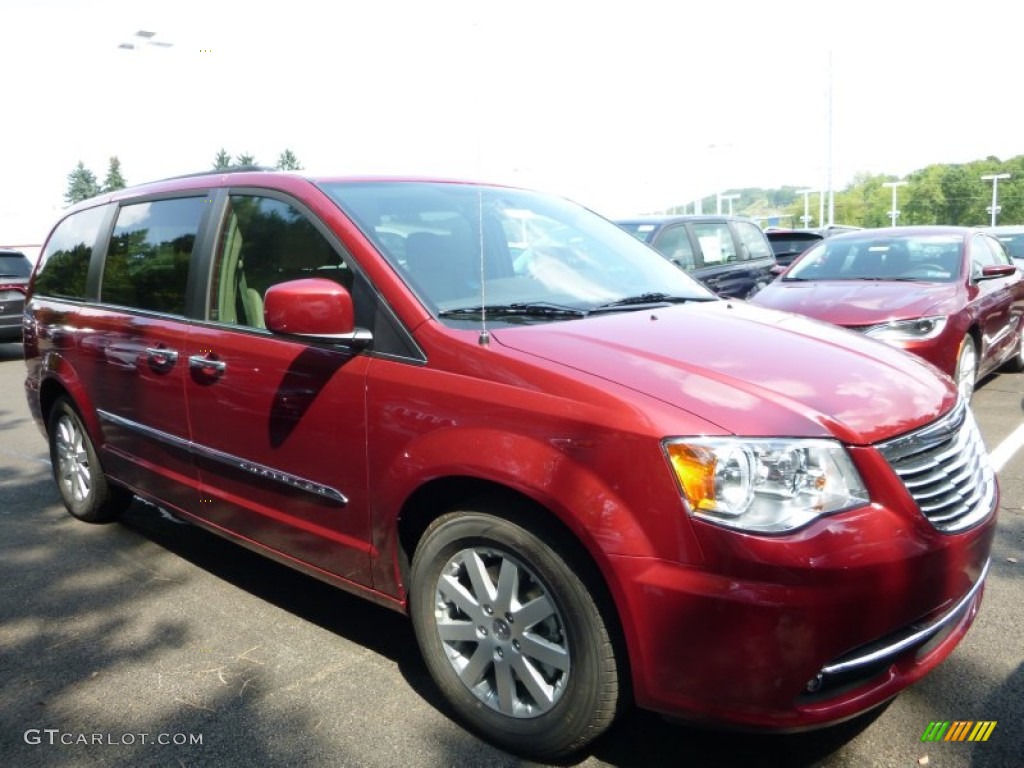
x=485, y=336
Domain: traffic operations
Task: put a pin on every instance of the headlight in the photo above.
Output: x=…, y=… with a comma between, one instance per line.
x=764, y=485
x=908, y=330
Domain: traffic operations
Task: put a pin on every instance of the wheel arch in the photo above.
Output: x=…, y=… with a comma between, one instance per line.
x=445, y=494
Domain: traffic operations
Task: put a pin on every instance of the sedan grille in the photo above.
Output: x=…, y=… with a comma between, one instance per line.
x=945, y=468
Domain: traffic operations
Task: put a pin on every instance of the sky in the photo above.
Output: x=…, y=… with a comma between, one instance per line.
x=626, y=107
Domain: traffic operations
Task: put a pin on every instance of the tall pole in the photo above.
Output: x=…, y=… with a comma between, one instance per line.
x=831, y=192
x=894, y=212
x=730, y=198
x=994, y=178
x=806, y=218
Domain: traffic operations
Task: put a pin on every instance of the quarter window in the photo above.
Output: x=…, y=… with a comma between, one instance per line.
x=64, y=265
x=150, y=252
x=264, y=242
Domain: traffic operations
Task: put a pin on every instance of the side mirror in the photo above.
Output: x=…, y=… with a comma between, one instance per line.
x=313, y=308
x=997, y=270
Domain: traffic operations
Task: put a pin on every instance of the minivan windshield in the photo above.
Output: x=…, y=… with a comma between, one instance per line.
x=521, y=256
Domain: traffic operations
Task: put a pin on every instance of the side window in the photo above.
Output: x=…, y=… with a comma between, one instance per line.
x=716, y=243
x=753, y=239
x=150, y=252
x=999, y=252
x=674, y=245
x=981, y=255
x=64, y=264
x=263, y=242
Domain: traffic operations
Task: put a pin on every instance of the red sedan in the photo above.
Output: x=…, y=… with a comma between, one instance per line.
x=949, y=294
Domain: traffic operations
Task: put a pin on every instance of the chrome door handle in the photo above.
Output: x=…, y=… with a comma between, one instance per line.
x=161, y=357
x=207, y=364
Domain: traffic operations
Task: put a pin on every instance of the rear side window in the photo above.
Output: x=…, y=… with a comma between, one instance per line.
x=64, y=264
x=150, y=251
x=716, y=245
x=754, y=240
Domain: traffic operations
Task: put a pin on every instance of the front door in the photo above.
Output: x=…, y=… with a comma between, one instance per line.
x=278, y=425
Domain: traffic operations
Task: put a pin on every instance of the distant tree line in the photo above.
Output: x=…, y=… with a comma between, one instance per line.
x=83, y=184
x=936, y=194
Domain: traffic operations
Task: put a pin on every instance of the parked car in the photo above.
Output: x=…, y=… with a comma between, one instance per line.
x=728, y=254
x=587, y=480
x=15, y=269
x=949, y=294
x=787, y=244
x=1012, y=238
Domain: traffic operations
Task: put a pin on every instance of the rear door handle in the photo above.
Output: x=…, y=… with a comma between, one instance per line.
x=207, y=364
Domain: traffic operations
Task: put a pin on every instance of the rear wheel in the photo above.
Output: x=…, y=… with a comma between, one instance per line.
x=83, y=487
x=512, y=636
x=966, y=368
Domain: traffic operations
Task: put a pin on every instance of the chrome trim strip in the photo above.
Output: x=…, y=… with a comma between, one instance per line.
x=913, y=639
x=252, y=467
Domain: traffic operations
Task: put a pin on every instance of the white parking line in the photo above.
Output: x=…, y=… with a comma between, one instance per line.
x=1005, y=450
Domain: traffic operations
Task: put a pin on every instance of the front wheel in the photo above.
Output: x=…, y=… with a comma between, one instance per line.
x=512, y=636
x=966, y=368
x=76, y=468
x=1016, y=361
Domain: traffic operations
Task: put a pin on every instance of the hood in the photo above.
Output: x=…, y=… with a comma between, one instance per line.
x=750, y=371
x=857, y=302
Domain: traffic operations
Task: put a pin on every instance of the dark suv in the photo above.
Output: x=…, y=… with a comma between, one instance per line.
x=15, y=269
x=790, y=243
x=728, y=254
x=587, y=480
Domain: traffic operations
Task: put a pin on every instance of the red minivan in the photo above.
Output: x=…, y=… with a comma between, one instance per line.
x=587, y=480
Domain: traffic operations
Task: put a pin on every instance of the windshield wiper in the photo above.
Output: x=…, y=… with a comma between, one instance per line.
x=528, y=309
x=648, y=299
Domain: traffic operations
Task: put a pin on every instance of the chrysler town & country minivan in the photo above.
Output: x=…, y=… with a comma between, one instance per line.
x=588, y=481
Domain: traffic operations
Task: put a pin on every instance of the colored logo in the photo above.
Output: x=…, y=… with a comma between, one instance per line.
x=958, y=730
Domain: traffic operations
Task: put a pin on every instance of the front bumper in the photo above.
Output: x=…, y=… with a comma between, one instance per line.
x=830, y=636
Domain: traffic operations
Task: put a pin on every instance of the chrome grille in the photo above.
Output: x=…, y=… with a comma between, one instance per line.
x=945, y=468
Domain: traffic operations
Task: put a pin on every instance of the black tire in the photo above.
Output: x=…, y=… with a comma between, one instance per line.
x=82, y=485
x=544, y=687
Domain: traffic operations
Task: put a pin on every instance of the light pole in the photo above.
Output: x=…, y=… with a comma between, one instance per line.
x=730, y=198
x=806, y=218
x=894, y=212
x=994, y=178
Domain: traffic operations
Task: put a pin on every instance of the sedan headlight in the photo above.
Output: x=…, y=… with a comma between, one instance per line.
x=921, y=329
x=764, y=485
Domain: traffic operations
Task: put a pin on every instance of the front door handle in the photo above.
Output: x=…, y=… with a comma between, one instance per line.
x=161, y=358
x=207, y=364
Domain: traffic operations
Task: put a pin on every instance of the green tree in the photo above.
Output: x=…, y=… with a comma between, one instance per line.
x=222, y=160
x=82, y=184
x=287, y=161
x=114, y=178
x=962, y=190
x=245, y=159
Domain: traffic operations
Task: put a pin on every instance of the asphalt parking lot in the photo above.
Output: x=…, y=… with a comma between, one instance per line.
x=150, y=642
